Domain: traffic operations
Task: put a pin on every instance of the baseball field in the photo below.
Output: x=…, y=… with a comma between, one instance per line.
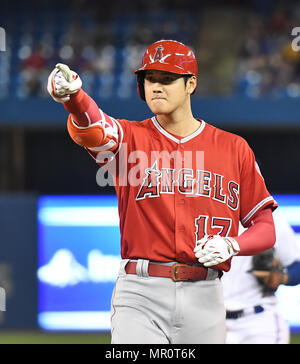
x=36, y=337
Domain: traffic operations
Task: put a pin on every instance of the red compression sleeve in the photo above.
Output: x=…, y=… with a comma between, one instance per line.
x=259, y=236
x=83, y=109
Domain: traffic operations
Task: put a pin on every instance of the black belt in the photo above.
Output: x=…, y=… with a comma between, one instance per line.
x=240, y=313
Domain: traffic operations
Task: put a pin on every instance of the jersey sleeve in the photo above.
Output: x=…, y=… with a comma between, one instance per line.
x=254, y=195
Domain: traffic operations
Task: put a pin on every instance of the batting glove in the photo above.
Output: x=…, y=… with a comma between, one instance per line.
x=214, y=249
x=62, y=83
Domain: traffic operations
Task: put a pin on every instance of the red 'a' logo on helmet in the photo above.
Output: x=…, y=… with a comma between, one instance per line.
x=158, y=54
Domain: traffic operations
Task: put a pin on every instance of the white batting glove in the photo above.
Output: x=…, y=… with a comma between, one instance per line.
x=63, y=82
x=214, y=249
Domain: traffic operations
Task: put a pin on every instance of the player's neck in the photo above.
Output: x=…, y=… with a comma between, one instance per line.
x=179, y=124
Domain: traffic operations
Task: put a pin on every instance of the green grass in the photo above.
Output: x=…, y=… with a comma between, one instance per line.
x=295, y=339
x=36, y=337
x=32, y=337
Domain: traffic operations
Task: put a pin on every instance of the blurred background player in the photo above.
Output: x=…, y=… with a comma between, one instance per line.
x=253, y=315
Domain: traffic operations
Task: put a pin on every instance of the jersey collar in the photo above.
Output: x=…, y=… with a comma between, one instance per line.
x=172, y=137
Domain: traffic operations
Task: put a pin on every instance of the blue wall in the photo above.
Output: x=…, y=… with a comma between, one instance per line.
x=235, y=111
x=18, y=260
x=19, y=257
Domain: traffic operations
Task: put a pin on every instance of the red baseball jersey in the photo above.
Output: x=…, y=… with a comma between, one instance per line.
x=173, y=190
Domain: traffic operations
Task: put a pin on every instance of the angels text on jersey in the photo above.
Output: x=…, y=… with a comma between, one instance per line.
x=194, y=184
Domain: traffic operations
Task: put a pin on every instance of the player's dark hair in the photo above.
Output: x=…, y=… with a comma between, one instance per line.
x=140, y=81
x=186, y=78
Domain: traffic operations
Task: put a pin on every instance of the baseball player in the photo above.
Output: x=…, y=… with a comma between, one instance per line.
x=253, y=316
x=183, y=186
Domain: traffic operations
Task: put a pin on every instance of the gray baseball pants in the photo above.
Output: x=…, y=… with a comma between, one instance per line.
x=155, y=310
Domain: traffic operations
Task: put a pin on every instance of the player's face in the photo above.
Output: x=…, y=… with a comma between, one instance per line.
x=165, y=92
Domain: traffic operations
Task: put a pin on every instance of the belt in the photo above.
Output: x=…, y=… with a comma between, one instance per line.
x=241, y=313
x=177, y=272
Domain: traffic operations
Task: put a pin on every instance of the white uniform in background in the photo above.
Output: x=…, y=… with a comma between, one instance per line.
x=256, y=319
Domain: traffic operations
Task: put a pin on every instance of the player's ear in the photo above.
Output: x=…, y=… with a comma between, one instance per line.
x=191, y=85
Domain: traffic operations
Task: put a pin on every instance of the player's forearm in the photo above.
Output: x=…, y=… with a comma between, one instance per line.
x=88, y=126
x=259, y=236
x=83, y=109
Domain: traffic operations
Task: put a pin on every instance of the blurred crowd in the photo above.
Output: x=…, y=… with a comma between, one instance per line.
x=103, y=45
x=267, y=64
x=106, y=45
